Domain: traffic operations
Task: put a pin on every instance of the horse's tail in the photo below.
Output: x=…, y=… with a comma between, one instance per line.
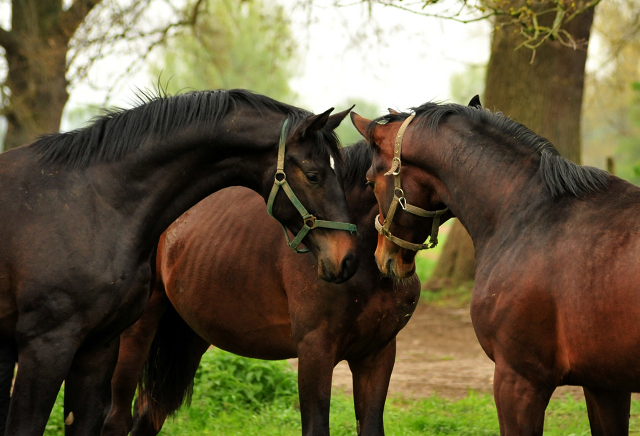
x=166, y=382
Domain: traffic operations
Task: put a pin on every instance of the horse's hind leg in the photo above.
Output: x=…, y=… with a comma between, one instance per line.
x=371, y=377
x=521, y=403
x=88, y=388
x=134, y=347
x=608, y=412
x=144, y=424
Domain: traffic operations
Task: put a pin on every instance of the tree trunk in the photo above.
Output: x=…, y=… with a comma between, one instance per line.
x=456, y=262
x=544, y=94
x=38, y=91
x=36, y=50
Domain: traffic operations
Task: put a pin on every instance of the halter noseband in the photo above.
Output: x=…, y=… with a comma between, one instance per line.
x=310, y=221
x=399, y=198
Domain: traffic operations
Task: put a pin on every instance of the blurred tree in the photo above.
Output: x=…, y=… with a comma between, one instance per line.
x=466, y=84
x=49, y=45
x=234, y=44
x=542, y=89
x=612, y=95
x=346, y=132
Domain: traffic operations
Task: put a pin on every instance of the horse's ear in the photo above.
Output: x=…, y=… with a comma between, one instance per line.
x=315, y=122
x=360, y=123
x=475, y=102
x=393, y=111
x=336, y=119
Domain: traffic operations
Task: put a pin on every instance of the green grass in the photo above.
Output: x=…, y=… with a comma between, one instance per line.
x=459, y=296
x=238, y=396
x=474, y=415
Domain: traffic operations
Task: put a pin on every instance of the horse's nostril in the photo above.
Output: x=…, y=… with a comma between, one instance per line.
x=348, y=266
x=389, y=266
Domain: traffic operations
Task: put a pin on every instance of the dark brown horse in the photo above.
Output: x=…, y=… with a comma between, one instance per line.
x=82, y=213
x=556, y=299
x=252, y=296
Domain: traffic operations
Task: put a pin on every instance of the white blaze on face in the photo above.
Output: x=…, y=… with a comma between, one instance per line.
x=332, y=163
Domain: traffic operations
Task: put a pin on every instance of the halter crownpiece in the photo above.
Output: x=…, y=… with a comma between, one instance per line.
x=310, y=221
x=384, y=229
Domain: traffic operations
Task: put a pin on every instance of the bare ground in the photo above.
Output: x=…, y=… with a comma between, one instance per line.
x=438, y=353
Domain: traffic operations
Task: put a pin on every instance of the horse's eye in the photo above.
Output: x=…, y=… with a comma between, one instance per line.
x=312, y=177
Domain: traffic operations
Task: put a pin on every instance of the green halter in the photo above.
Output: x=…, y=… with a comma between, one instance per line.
x=310, y=221
x=398, y=198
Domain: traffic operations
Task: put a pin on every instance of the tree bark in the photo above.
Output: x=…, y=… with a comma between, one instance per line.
x=544, y=92
x=36, y=50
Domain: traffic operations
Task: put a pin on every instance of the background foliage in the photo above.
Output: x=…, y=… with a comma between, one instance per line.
x=234, y=44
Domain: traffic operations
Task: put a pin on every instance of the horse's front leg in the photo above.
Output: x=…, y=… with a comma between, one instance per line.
x=608, y=412
x=521, y=403
x=315, y=370
x=87, y=393
x=43, y=363
x=371, y=377
x=134, y=347
x=8, y=359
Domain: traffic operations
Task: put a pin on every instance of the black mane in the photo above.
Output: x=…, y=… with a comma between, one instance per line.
x=357, y=160
x=561, y=176
x=118, y=132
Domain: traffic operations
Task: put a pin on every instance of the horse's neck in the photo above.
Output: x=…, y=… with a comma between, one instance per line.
x=483, y=188
x=154, y=187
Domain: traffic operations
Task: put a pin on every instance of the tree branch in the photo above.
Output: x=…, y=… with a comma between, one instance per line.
x=8, y=41
x=75, y=15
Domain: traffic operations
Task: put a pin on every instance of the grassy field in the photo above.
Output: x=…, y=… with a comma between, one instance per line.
x=238, y=396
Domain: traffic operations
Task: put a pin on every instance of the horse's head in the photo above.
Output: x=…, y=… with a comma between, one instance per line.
x=317, y=213
x=410, y=209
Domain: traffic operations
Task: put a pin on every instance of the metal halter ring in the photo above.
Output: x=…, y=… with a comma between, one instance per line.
x=282, y=180
x=310, y=222
x=401, y=198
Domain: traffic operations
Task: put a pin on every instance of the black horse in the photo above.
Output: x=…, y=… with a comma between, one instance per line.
x=82, y=213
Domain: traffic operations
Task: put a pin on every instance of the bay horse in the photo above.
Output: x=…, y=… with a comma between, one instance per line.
x=82, y=212
x=556, y=299
x=254, y=297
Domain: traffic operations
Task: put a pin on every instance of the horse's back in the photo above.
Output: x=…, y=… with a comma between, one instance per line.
x=221, y=265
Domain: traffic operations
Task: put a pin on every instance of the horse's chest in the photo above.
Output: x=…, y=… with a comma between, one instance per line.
x=384, y=316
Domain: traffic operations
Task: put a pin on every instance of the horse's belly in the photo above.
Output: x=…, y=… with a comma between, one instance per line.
x=274, y=342
x=623, y=378
x=253, y=328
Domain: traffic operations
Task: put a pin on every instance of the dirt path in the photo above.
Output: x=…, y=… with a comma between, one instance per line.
x=438, y=353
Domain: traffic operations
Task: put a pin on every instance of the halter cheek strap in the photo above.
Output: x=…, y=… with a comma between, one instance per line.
x=399, y=199
x=310, y=221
